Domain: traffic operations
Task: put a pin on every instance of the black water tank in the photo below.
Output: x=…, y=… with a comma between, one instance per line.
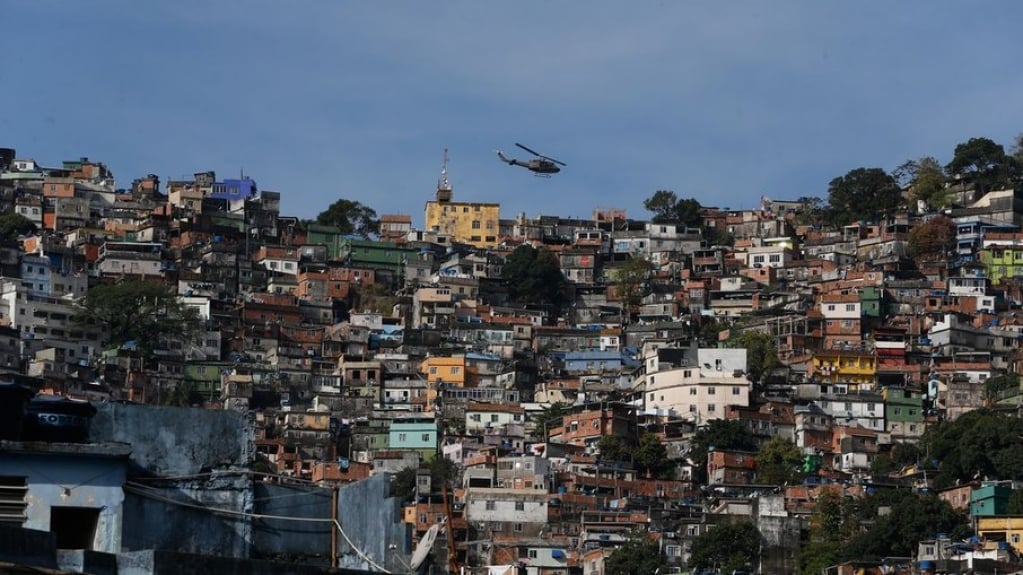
x=58, y=419
x=14, y=399
x=6, y=158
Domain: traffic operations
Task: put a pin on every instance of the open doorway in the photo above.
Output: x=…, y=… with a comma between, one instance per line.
x=74, y=527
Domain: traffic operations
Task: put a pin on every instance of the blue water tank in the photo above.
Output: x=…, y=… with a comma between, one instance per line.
x=927, y=565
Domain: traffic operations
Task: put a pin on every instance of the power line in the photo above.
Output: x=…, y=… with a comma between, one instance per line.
x=146, y=491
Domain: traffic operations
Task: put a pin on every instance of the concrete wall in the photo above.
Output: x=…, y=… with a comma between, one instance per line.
x=779, y=535
x=371, y=518
x=56, y=480
x=27, y=547
x=175, y=441
x=306, y=542
x=170, y=563
x=190, y=524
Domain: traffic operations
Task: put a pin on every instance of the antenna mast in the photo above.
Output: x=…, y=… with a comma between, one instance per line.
x=443, y=184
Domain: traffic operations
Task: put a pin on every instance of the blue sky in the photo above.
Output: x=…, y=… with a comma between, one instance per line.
x=720, y=101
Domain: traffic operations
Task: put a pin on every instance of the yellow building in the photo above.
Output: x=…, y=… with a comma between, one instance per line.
x=473, y=223
x=447, y=370
x=855, y=367
x=1002, y=528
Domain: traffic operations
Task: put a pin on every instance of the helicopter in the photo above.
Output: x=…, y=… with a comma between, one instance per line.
x=542, y=166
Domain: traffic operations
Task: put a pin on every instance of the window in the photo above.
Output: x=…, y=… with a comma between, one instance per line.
x=532, y=553
x=850, y=307
x=710, y=408
x=518, y=528
x=490, y=506
x=426, y=437
x=475, y=224
x=736, y=390
x=402, y=437
x=12, y=500
x=692, y=391
x=520, y=506
x=711, y=390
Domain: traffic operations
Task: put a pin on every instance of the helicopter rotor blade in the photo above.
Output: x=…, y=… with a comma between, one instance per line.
x=555, y=161
x=537, y=154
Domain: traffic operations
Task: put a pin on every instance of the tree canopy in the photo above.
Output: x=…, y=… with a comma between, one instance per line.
x=761, y=353
x=718, y=434
x=640, y=555
x=534, y=276
x=351, y=217
x=779, y=462
x=649, y=455
x=548, y=415
x=888, y=523
x=137, y=310
x=926, y=180
x=933, y=239
x=727, y=547
x=983, y=162
x=978, y=444
x=442, y=471
x=630, y=283
x=862, y=194
x=13, y=225
x=668, y=208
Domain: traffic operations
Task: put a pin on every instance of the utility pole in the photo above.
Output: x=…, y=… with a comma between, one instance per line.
x=333, y=525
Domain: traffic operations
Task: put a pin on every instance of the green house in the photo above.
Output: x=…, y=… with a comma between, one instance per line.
x=990, y=500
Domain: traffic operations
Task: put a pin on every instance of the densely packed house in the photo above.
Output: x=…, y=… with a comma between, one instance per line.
x=538, y=429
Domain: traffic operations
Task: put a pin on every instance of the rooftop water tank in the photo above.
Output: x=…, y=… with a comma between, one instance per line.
x=58, y=419
x=14, y=399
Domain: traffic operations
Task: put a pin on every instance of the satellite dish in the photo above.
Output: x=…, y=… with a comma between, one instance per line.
x=424, y=547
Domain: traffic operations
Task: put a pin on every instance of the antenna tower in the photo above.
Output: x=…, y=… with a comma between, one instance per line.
x=443, y=184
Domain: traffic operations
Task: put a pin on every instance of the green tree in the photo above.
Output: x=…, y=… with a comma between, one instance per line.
x=184, y=395
x=640, y=555
x=833, y=522
x=630, y=280
x=726, y=547
x=614, y=448
x=898, y=519
x=980, y=443
x=779, y=462
x=761, y=353
x=442, y=470
x=928, y=183
x=1017, y=152
x=999, y=383
x=351, y=217
x=718, y=434
x=534, y=276
x=982, y=162
x=137, y=310
x=1015, y=503
x=13, y=225
x=651, y=458
x=667, y=208
x=549, y=416
x=403, y=484
x=862, y=194
x=933, y=239
x=899, y=456
x=811, y=211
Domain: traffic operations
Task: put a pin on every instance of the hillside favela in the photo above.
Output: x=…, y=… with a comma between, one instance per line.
x=192, y=381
